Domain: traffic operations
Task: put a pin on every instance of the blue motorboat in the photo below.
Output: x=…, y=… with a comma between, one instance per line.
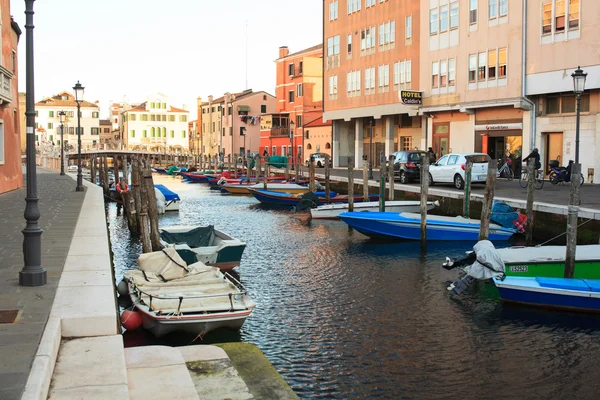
x=171, y=199
x=392, y=225
x=566, y=293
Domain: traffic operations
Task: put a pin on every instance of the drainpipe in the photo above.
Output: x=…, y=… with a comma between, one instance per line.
x=531, y=104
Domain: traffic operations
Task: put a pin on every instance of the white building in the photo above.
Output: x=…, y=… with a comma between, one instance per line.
x=48, y=121
x=155, y=125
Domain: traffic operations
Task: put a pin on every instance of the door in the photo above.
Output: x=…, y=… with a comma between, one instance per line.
x=441, y=139
x=554, y=150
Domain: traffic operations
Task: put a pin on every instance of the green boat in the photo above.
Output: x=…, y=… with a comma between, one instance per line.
x=549, y=261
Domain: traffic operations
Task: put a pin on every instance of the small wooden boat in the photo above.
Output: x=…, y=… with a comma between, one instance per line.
x=160, y=170
x=566, y=293
x=274, y=187
x=205, y=244
x=174, y=296
x=283, y=199
x=169, y=199
x=392, y=225
x=332, y=211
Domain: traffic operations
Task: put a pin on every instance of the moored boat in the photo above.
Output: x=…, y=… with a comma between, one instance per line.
x=174, y=296
x=274, y=187
x=332, y=211
x=169, y=199
x=392, y=225
x=204, y=244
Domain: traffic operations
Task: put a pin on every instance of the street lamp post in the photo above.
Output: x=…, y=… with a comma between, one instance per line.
x=32, y=273
x=78, y=89
x=61, y=115
x=292, y=144
x=578, y=87
x=371, y=149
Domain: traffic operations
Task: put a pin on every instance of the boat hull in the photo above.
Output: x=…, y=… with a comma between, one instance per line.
x=333, y=211
x=172, y=205
x=527, y=291
x=394, y=226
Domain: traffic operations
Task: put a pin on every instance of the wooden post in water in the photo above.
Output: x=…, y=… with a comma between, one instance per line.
x=136, y=188
x=287, y=168
x=350, y=184
x=531, y=172
x=488, y=201
x=572, y=221
x=382, y=175
x=365, y=179
x=105, y=172
x=93, y=169
x=311, y=175
x=391, y=177
x=129, y=208
x=124, y=168
x=424, y=195
x=144, y=216
x=467, y=199
x=152, y=208
x=327, y=181
x=258, y=168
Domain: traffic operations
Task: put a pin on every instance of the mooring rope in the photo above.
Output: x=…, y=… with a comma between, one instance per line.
x=564, y=233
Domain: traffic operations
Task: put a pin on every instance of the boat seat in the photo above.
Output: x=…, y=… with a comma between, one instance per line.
x=594, y=284
x=564, y=283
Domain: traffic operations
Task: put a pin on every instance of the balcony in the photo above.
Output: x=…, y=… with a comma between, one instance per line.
x=280, y=132
x=5, y=85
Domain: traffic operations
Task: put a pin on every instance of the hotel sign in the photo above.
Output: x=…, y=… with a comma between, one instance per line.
x=498, y=127
x=410, y=97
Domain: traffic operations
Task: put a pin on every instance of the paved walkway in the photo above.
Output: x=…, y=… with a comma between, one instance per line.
x=59, y=207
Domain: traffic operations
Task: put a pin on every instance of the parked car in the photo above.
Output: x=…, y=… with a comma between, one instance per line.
x=407, y=165
x=320, y=159
x=451, y=169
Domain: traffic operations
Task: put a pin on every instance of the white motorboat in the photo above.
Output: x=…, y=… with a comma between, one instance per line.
x=174, y=296
x=166, y=200
x=332, y=211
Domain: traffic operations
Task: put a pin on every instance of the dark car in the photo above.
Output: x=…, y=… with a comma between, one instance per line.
x=407, y=165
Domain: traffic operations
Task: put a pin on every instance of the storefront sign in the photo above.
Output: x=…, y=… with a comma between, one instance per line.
x=498, y=127
x=410, y=97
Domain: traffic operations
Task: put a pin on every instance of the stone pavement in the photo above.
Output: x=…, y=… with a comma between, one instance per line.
x=59, y=207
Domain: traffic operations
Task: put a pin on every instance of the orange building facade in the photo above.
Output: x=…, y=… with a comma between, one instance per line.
x=11, y=172
x=371, y=55
x=299, y=101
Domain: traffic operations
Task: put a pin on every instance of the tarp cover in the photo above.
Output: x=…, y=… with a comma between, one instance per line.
x=489, y=263
x=503, y=214
x=169, y=195
x=201, y=236
x=165, y=263
x=277, y=161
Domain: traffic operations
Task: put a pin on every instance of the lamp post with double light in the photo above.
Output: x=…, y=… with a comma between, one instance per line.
x=78, y=89
x=61, y=116
x=291, y=145
x=578, y=87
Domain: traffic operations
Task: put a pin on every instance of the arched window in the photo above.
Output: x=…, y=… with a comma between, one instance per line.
x=153, y=132
x=327, y=146
x=164, y=132
x=309, y=146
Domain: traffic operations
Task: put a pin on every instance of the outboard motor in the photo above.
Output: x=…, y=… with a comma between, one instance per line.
x=483, y=263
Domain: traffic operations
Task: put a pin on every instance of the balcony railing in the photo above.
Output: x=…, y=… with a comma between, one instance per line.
x=280, y=132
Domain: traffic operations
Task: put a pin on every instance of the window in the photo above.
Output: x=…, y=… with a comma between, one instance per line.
x=299, y=90
x=96, y=114
x=171, y=118
x=153, y=132
x=492, y=64
x=573, y=14
x=333, y=10
x=384, y=78
x=353, y=83
x=284, y=151
x=408, y=27
x=353, y=6
x=481, y=74
x=443, y=18
x=369, y=3
x=95, y=131
x=50, y=125
x=433, y=21
x=51, y=114
x=472, y=68
x=132, y=117
x=472, y=11
x=164, y=131
x=172, y=134
x=274, y=151
x=368, y=38
x=566, y=103
x=559, y=16
x=408, y=71
x=454, y=15
x=451, y=72
x=502, y=63
x=291, y=96
x=144, y=117
x=183, y=118
x=333, y=46
x=144, y=133
x=435, y=74
x=183, y=134
x=132, y=133
x=298, y=121
x=369, y=79
x=263, y=108
x=503, y=5
x=333, y=85
x=387, y=33
x=291, y=69
x=406, y=143
x=349, y=41
x=493, y=8
x=443, y=73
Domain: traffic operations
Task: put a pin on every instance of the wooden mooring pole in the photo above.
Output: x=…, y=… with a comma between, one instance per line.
x=311, y=175
x=382, y=174
x=152, y=207
x=531, y=172
x=424, y=195
x=572, y=220
x=327, y=181
x=391, y=177
x=350, y=184
x=365, y=179
x=488, y=201
x=467, y=199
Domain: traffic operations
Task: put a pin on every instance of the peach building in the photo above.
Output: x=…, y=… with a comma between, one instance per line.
x=299, y=93
x=371, y=58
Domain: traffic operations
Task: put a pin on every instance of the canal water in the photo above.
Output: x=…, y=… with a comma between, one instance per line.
x=344, y=317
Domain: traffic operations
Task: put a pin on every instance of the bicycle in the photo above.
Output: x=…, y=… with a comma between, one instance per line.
x=505, y=171
x=538, y=182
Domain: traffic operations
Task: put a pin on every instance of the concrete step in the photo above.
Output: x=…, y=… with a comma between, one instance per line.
x=158, y=372
x=90, y=368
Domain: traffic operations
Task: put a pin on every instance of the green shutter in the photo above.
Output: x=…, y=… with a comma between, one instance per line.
x=172, y=134
x=145, y=133
x=183, y=134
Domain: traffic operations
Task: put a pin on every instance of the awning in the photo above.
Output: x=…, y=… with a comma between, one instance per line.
x=242, y=108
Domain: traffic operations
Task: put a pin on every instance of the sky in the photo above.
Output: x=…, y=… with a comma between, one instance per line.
x=127, y=50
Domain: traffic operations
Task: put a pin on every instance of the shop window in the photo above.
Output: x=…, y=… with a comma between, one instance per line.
x=567, y=104
x=552, y=105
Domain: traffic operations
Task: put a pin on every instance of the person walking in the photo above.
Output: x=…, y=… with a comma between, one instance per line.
x=431, y=155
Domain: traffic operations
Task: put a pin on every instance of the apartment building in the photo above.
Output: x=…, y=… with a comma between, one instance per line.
x=371, y=77
x=210, y=127
x=299, y=100
x=562, y=35
x=156, y=125
x=48, y=122
x=107, y=138
x=11, y=176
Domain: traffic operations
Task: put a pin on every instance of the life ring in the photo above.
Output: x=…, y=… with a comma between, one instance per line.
x=120, y=189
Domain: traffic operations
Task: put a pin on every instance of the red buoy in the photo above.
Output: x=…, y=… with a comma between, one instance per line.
x=131, y=320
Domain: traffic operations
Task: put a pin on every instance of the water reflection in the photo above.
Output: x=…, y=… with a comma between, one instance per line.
x=343, y=316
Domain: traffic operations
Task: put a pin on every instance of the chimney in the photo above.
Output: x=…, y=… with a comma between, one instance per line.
x=283, y=51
